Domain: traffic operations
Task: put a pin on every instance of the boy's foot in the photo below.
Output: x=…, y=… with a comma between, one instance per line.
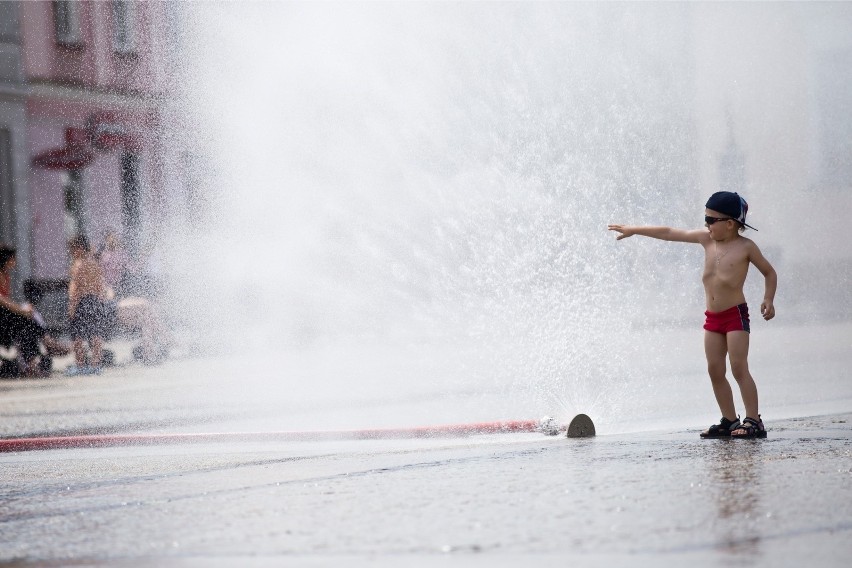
x=750, y=428
x=721, y=430
x=73, y=371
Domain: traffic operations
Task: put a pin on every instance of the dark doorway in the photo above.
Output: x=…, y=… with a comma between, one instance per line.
x=73, y=192
x=131, y=202
x=7, y=194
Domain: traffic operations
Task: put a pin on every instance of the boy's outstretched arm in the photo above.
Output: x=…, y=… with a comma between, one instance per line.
x=662, y=233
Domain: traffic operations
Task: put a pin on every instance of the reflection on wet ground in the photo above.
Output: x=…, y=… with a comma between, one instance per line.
x=735, y=474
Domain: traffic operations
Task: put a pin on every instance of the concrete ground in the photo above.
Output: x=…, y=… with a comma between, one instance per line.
x=637, y=499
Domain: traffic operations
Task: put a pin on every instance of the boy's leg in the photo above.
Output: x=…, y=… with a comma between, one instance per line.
x=716, y=349
x=738, y=352
x=135, y=313
x=97, y=349
x=79, y=352
x=55, y=348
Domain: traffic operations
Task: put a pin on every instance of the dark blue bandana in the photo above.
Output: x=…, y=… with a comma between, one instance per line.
x=730, y=204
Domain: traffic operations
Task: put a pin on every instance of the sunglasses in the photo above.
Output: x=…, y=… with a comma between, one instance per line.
x=711, y=220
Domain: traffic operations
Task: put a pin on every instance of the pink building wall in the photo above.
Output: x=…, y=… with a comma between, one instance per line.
x=69, y=87
x=94, y=63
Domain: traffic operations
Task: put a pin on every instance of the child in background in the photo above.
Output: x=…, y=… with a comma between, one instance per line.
x=87, y=310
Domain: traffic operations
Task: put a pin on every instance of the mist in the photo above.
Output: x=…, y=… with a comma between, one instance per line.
x=430, y=184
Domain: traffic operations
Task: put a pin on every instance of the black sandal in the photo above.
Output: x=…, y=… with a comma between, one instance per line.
x=721, y=430
x=752, y=428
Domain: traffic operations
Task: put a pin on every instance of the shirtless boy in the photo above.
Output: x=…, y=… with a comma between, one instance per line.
x=86, y=308
x=727, y=255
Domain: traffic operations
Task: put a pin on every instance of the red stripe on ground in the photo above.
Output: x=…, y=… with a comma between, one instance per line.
x=115, y=440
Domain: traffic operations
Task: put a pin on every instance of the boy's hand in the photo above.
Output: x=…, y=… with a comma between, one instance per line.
x=767, y=309
x=623, y=229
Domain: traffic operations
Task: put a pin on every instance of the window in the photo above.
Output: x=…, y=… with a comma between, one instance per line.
x=174, y=16
x=7, y=202
x=123, y=20
x=66, y=22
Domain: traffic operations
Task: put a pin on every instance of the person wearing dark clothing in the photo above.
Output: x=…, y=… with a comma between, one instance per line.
x=18, y=325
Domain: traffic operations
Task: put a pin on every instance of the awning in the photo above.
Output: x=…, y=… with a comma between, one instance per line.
x=76, y=154
x=104, y=131
x=107, y=131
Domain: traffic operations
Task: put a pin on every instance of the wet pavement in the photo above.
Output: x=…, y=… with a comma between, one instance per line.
x=637, y=499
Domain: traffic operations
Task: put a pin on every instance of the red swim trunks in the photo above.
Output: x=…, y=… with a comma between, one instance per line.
x=732, y=319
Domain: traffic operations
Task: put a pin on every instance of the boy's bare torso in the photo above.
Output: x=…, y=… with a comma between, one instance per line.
x=87, y=279
x=725, y=269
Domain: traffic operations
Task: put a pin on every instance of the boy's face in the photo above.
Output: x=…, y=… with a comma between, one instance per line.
x=10, y=264
x=719, y=229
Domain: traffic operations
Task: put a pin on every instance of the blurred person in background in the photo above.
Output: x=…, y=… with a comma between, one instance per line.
x=134, y=312
x=22, y=327
x=89, y=314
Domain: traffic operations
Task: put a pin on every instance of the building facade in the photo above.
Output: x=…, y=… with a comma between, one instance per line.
x=94, y=88
x=14, y=203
